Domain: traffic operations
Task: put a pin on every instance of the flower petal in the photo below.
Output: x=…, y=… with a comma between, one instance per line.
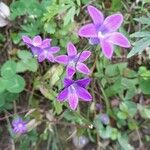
x=46, y=43
x=73, y=100
x=63, y=95
x=54, y=49
x=70, y=71
x=112, y=23
x=82, y=68
x=83, y=94
x=37, y=41
x=107, y=48
x=83, y=82
x=88, y=30
x=119, y=39
x=71, y=49
x=50, y=57
x=68, y=82
x=96, y=15
x=62, y=59
x=35, y=50
x=41, y=57
x=94, y=41
x=27, y=40
x=84, y=55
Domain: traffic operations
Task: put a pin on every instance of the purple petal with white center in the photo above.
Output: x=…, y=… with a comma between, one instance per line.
x=71, y=49
x=68, y=82
x=88, y=30
x=112, y=23
x=63, y=95
x=82, y=68
x=54, y=49
x=96, y=15
x=42, y=57
x=62, y=59
x=46, y=43
x=50, y=57
x=27, y=40
x=70, y=71
x=84, y=55
x=83, y=82
x=119, y=39
x=94, y=41
x=83, y=94
x=107, y=48
x=73, y=100
x=37, y=41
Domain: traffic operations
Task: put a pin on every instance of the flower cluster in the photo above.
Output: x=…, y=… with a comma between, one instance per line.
x=101, y=31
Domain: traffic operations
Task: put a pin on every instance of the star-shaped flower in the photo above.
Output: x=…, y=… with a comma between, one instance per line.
x=19, y=126
x=74, y=61
x=104, y=31
x=42, y=49
x=74, y=90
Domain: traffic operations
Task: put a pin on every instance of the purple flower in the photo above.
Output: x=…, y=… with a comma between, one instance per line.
x=34, y=44
x=74, y=61
x=74, y=90
x=104, y=119
x=103, y=31
x=42, y=49
x=19, y=126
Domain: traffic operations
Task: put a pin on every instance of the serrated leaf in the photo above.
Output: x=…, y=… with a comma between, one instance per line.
x=139, y=46
x=16, y=84
x=70, y=16
x=8, y=70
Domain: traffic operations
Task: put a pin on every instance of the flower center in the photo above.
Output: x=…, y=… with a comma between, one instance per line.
x=73, y=60
x=100, y=35
x=72, y=89
x=20, y=125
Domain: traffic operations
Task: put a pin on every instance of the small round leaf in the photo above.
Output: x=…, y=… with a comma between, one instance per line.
x=16, y=84
x=8, y=70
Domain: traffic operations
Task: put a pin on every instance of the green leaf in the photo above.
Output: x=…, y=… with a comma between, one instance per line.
x=58, y=107
x=16, y=84
x=139, y=46
x=132, y=108
x=122, y=115
x=21, y=67
x=115, y=69
x=143, y=20
x=144, y=85
x=70, y=16
x=105, y=134
x=3, y=84
x=116, y=5
x=123, y=141
x=24, y=55
x=141, y=34
x=31, y=65
x=114, y=134
x=144, y=111
x=8, y=70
